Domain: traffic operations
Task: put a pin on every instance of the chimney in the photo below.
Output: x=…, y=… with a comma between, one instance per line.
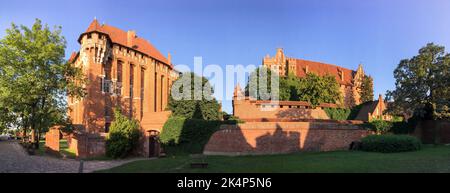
x=307, y=69
x=169, y=58
x=380, y=97
x=130, y=37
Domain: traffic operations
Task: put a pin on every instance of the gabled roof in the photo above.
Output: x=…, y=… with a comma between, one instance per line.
x=366, y=108
x=322, y=69
x=120, y=37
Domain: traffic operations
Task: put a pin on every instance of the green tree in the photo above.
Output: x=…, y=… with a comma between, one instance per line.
x=35, y=78
x=123, y=136
x=262, y=86
x=319, y=89
x=194, y=101
x=367, y=89
x=422, y=85
x=289, y=88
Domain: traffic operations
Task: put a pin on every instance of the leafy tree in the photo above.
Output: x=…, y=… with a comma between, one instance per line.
x=289, y=88
x=194, y=101
x=367, y=89
x=123, y=136
x=423, y=85
x=319, y=89
x=259, y=91
x=35, y=78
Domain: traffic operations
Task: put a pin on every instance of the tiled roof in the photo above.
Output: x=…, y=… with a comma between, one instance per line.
x=119, y=36
x=322, y=69
x=366, y=108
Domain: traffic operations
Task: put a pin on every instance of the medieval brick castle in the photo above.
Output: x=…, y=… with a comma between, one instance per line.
x=349, y=80
x=125, y=71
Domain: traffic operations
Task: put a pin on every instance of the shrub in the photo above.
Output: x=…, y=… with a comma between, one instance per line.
x=123, y=136
x=338, y=113
x=379, y=126
x=342, y=113
x=188, y=135
x=390, y=143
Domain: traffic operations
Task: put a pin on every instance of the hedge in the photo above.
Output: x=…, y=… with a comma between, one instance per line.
x=342, y=113
x=390, y=143
x=181, y=135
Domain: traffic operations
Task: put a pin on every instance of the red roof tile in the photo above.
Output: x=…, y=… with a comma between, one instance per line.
x=322, y=69
x=119, y=36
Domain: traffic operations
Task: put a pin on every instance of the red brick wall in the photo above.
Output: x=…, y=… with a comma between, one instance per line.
x=88, y=145
x=426, y=130
x=52, y=139
x=246, y=110
x=282, y=137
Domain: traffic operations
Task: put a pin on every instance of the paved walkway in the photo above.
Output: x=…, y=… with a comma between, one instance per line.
x=14, y=159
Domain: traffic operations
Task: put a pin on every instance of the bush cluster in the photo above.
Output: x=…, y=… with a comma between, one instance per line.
x=123, y=136
x=390, y=143
x=188, y=135
x=379, y=126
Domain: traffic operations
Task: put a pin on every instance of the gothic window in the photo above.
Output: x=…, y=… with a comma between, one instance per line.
x=119, y=71
x=131, y=88
x=142, y=90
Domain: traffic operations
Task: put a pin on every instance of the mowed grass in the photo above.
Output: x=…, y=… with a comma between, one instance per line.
x=429, y=159
x=63, y=149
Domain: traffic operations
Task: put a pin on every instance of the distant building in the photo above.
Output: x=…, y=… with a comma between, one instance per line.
x=350, y=81
x=373, y=110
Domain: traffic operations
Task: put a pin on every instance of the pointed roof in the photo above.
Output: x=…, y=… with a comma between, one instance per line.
x=120, y=37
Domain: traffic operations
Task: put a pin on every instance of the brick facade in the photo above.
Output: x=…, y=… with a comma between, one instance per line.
x=52, y=138
x=125, y=71
x=88, y=145
x=247, y=109
x=282, y=137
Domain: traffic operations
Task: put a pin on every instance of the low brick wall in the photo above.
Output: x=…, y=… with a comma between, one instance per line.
x=282, y=137
x=430, y=132
x=88, y=145
x=52, y=138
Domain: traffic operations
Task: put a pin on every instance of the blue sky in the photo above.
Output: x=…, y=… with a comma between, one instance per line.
x=376, y=33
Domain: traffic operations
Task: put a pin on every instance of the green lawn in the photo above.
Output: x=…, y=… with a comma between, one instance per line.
x=429, y=159
x=63, y=149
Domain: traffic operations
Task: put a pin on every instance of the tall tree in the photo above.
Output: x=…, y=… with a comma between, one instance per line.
x=367, y=89
x=35, y=78
x=319, y=89
x=194, y=100
x=422, y=85
x=262, y=85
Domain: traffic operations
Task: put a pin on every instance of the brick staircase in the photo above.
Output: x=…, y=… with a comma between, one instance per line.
x=155, y=120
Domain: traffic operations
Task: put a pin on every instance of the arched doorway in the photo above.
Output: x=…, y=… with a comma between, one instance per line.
x=154, y=146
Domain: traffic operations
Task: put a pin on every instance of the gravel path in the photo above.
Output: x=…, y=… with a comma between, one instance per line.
x=14, y=159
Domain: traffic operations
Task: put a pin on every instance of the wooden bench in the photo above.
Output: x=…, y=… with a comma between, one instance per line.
x=199, y=161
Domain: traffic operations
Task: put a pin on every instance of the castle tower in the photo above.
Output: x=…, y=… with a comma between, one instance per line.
x=357, y=84
x=95, y=55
